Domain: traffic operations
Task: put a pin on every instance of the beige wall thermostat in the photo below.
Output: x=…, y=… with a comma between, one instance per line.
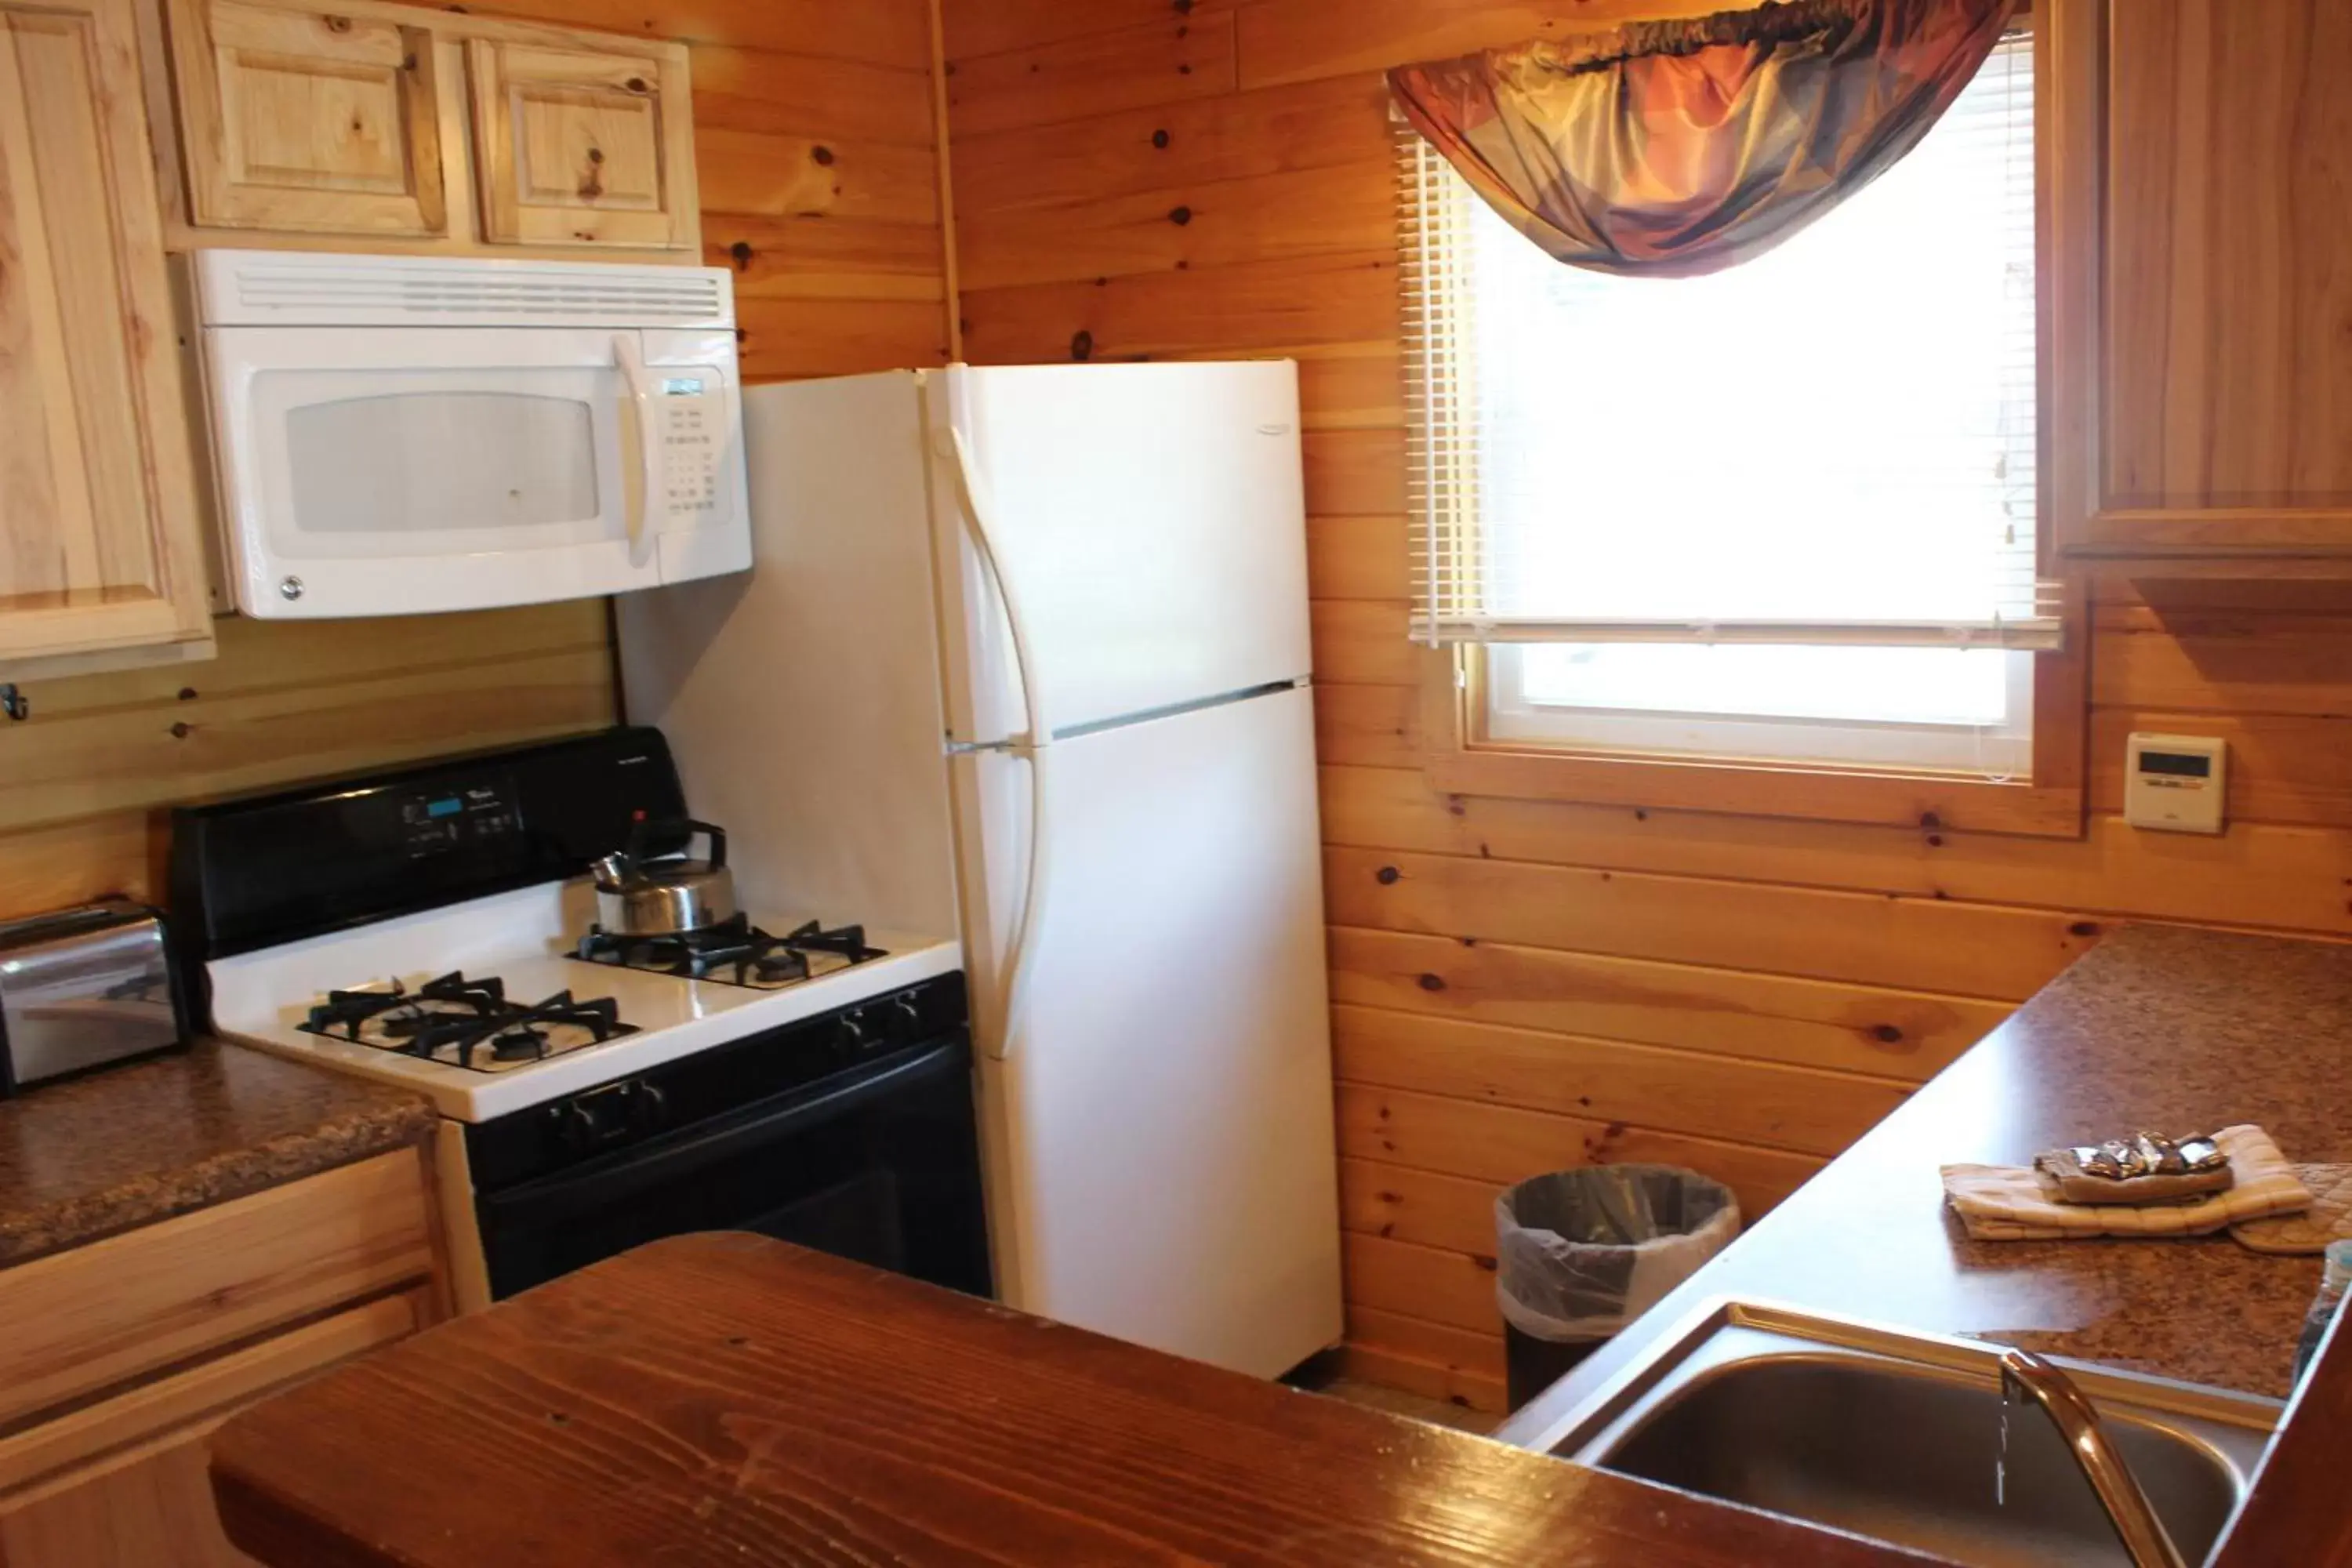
x=2175, y=781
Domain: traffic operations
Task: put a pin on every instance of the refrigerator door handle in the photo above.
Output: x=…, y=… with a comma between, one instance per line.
x=1031, y=745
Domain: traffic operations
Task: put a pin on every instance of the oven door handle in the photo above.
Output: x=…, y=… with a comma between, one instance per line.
x=626, y=1173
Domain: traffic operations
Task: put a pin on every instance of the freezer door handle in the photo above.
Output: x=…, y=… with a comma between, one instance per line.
x=1031, y=745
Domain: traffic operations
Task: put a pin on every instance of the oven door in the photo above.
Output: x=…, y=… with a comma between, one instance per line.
x=392, y=470
x=880, y=1164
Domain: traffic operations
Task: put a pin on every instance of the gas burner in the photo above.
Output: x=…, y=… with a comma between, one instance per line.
x=734, y=952
x=466, y=1023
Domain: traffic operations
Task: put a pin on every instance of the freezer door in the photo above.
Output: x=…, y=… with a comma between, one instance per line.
x=1149, y=523
x=1159, y=1117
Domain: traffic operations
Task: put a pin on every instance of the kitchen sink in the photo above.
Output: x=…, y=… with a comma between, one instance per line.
x=1898, y=1436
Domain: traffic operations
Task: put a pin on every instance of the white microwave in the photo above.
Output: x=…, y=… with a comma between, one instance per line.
x=394, y=434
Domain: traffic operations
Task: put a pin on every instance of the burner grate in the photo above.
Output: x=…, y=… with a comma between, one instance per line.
x=734, y=950
x=452, y=1018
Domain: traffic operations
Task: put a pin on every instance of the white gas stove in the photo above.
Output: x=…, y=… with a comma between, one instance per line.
x=462, y=1003
x=433, y=928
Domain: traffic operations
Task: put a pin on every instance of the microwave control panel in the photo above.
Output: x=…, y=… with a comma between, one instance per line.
x=692, y=415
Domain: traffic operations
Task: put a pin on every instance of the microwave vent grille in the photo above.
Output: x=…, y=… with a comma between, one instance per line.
x=278, y=290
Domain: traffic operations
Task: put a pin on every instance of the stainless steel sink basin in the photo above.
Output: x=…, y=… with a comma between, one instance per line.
x=1897, y=1436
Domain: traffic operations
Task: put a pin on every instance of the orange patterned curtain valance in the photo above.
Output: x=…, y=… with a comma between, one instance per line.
x=1671, y=149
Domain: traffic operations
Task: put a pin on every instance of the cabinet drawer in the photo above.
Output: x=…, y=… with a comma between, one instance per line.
x=85, y=1319
x=59, y=1452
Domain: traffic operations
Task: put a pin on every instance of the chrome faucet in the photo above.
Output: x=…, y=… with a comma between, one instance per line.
x=2144, y=1541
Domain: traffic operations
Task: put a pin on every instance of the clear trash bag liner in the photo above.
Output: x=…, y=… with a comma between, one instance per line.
x=1580, y=1254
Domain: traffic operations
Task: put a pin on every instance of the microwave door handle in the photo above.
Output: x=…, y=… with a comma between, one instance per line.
x=637, y=431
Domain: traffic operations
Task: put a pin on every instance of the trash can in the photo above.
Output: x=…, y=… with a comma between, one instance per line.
x=1580, y=1254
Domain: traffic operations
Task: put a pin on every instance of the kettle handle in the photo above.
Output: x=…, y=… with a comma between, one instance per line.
x=641, y=835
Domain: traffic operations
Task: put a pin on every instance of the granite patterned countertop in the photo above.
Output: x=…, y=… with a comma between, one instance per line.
x=94, y=1155
x=2165, y=1027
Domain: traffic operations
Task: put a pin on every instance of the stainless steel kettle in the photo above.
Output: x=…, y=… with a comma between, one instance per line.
x=642, y=892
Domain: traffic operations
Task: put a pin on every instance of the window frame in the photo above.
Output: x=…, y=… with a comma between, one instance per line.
x=1459, y=756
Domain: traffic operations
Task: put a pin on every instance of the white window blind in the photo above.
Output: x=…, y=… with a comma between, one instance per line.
x=1833, y=442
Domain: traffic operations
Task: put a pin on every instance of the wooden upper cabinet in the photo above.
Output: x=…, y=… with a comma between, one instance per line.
x=2200, y=175
x=302, y=118
x=340, y=124
x=101, y=547
x=577, y=147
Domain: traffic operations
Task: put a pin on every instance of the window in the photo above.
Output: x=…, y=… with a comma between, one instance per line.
x=1782, y=513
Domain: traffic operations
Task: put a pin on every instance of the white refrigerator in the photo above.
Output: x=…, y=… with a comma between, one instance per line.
x=1023, y=656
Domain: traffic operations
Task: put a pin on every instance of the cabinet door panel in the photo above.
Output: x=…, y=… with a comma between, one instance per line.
x=99, y=544
x=2203, y=175
x=306, y=119
x=581, y=148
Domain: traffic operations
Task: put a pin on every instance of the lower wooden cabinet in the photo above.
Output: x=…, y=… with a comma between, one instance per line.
x=155, y=1511
x=122, y=1356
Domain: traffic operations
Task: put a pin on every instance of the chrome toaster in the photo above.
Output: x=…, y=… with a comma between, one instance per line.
x=82, y=988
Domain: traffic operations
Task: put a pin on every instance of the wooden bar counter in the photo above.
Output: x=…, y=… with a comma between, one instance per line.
x=730, y=1399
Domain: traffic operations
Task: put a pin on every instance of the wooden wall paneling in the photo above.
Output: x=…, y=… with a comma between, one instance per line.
x=1302, y=40
x=1367, y=726
x=82, y=860
x=1363, y=641
x=1453, y=1289
x=1358, y=556
x=809, y=94
x=299, y=699
x=1354, y=472
x=1262, y=217
x=2281, y=878
x=1500, y=1144
x=1344, y=297
x=2225, y=661
x=1460, y=1366
x=1807, y=1110
x=875, y=32
x=1003, y=24
x=1418, y=1207
x=820, y=257
x=1719, y=1015
x=1921, y=945
x=1176, y=145
x=1173, y=57
x=768, y=174
x=790, y=339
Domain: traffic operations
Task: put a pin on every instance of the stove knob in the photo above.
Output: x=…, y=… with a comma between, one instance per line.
x=648, y=1107
x=575, y=1124
x=849, y=1035
x=906, y=1017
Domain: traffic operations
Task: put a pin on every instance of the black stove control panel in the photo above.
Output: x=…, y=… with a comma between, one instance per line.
x=269, y=869
x=477, y=812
